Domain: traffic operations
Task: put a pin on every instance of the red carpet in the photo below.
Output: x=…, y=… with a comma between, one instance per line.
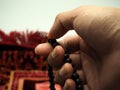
x=17, y=53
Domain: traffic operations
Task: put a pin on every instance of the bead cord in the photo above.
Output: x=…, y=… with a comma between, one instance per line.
x=67, y=59
x=54, y=43
x=75, y=76
x=51, y=77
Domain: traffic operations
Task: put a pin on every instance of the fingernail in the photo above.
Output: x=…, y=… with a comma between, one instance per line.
x=54, y=54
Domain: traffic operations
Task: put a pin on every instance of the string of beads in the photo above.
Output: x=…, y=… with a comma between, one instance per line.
x=67, y=59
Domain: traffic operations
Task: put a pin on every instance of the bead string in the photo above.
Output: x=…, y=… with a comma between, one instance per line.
x=67, y=59
x=51, y=78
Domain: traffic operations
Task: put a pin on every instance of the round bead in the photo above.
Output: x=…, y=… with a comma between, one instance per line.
x=68, y=60
x=79, y=87
x=66, y=56
x=52, y=88
x=75, y=76
x=78, y=81
x=53, y=42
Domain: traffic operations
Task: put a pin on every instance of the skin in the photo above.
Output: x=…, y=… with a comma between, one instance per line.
x=94, y=50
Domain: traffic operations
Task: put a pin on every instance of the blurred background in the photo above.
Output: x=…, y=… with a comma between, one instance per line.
x=20, y=67
x=39, y=14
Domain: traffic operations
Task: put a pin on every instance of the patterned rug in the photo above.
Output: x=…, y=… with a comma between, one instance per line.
x=17, y=54
x=30, y=80
x=26, y=80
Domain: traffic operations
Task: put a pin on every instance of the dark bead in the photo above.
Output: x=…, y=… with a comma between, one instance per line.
x=52, y=88
x=79, y=87
x=50, y=68
x=66, y=56
x=51, y=77
x=73, y=65
x=68, y=60
x=74, y=70
x=52, y=83
x=50, y=72
x=75, y=76
x=66, y=51
x=78, y=81
x=53, y=42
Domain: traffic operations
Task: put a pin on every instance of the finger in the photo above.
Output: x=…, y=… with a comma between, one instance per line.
x=55, y=58
x=62, y=24
x=70, y=85
x=86, y=87
x=82, y=76
x=76, y=60
x=43, y=49
x=70, y=44
x=66, y=72
x=87, y=76
x=75, y=43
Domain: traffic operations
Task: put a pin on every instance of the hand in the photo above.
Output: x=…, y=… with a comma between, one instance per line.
x=95, y=51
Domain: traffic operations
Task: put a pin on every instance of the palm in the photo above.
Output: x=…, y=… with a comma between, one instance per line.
x=102, y=62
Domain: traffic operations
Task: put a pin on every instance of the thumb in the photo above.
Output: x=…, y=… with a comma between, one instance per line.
x=63, y=23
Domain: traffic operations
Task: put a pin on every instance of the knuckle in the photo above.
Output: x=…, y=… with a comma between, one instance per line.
x=59, y=16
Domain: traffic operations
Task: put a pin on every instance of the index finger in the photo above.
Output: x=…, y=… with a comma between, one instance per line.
x=63, y=23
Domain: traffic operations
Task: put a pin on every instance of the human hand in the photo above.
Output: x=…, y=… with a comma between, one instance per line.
x=95, y=51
